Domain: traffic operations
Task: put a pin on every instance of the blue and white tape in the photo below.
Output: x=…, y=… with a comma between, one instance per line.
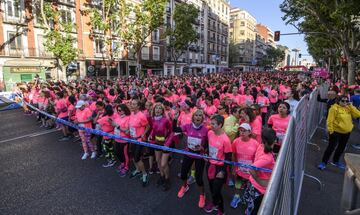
x=113, y=136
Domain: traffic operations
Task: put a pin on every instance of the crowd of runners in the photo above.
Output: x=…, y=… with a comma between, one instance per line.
x=240, y=117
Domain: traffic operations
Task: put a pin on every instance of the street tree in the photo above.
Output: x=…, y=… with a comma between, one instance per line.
x=106, y=22
x=145, y=17
x=183, y=33
x=272, y=58
x=59, y=39
x=336, y=19
x=234, y=54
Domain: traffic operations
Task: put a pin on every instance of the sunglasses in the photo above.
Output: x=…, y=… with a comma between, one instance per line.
x=345, y=101
x=220, y=108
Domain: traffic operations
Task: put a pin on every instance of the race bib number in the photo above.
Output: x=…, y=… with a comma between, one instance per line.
x=213, y=152
x=248, y=102
x=242, y=169
x=81, y=125
x=97, y=127
x=261, y=104
x=280, y=136
x=132, y=132
x=193, y=142
x=117, y=132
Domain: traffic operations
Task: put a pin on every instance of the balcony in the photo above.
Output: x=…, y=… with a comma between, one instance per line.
x=156, y=57
x=211, y=39
x=168, y=9
x=31, y=52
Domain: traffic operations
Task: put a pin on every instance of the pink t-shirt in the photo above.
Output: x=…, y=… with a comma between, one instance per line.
x=273, y=96
x=185, y=118
x=105, y=125
x=279, y=125
x=238, y=99
x=262, y=160
x=244, y=152
x=210, y=110
x=263, y=102
x=256, y=128
x=83, y=115
x=123, y=122
x=218, y=147
x=137, y=124
x=60, y=106
x=72, y=112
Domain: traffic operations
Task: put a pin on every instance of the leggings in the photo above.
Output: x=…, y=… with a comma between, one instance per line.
x=253, y=199
x=99, y=140
x=335, y=140
x=86, y=143
x=199, y=169
x=121, y=152
x=108, y=149
x=216, y=185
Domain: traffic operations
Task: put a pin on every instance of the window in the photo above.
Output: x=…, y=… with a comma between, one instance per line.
x=66, y=16
x=13, y=9
x=242, y=32
x=156, y=36
x=145, y=53
x=242, y=23
x=15, y=43
x=99, y=46
x=156, y=53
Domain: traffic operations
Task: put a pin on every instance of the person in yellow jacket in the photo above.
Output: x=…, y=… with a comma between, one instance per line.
x=339, y=125
x=231, y=124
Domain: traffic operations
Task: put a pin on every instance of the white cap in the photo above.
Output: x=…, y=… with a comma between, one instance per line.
x=80, y=103
x=245, y=126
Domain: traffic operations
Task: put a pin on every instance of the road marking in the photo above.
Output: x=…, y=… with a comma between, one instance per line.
x=36, y=134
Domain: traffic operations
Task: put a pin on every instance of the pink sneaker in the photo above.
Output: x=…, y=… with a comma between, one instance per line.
x=182, y=191
x=210, y=208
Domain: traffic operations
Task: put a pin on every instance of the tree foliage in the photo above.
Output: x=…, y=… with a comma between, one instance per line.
x=273, y=57
x=145, y=17
x=183, y=33
x=234, y=54
x=335, y=21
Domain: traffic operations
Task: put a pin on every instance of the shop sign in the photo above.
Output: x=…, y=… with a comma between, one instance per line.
x=24, y=69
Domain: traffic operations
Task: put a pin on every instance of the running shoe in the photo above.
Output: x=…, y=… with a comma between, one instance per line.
x=322, y=166
x=356, y=146
x=210, y=208
x=339, y=165
x=166, y=186
x=220, y=213
x=65, y=138
x=135, y=173
x=230, y=183
x=182, y=191
x=235, y=201
x=190, y=180
x=110, y=163
x=201, y=201
x=120, y=167
x=123, y=172
x=160, y=181
x=145, y=180
x=85, y=156
x=93, y=155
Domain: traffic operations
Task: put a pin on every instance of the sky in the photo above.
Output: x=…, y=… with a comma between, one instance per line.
x=267, y=12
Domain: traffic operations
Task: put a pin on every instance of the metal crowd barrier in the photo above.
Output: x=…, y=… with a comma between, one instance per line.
x=284, y=189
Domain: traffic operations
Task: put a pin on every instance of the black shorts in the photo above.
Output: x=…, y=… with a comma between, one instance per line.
x=136, y=151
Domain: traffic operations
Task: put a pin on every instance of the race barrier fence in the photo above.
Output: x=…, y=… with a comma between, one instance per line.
x=284, y=189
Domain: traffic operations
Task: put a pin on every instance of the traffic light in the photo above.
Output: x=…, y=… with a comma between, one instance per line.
x=299, y=55
x=277, y=36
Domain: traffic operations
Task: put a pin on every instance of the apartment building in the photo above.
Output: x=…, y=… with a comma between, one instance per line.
x=267, y=34
x=243, y=35
x=23, y=55
x=210, y=52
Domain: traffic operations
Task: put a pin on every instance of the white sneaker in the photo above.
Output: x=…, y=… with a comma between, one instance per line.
x=93, y=155
x=85, y=155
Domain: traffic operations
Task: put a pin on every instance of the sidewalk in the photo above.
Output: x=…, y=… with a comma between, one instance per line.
x=327, y=200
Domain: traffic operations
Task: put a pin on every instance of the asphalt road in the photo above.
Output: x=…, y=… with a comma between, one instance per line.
x=40, y=175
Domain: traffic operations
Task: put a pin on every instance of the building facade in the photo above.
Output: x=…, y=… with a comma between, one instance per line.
x=210, y=52
x=267, y=34
x=243, y=36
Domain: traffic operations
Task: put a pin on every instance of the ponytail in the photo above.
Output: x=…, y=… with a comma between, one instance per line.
x=268, y=136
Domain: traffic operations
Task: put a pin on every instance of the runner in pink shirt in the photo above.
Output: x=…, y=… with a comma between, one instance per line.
x=105, y=123
x=160, y=131
x=121, y=128
x=138, y=127
x=258, y=180
x=244, y=149
x=83, y=118
x=219, y=148
x=279, y=122
x=62, y=113
x=264, y=103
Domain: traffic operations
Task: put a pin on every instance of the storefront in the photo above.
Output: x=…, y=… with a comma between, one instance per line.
x=15, y=71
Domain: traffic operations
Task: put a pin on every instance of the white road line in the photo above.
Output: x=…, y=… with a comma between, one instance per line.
x=30, y=135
